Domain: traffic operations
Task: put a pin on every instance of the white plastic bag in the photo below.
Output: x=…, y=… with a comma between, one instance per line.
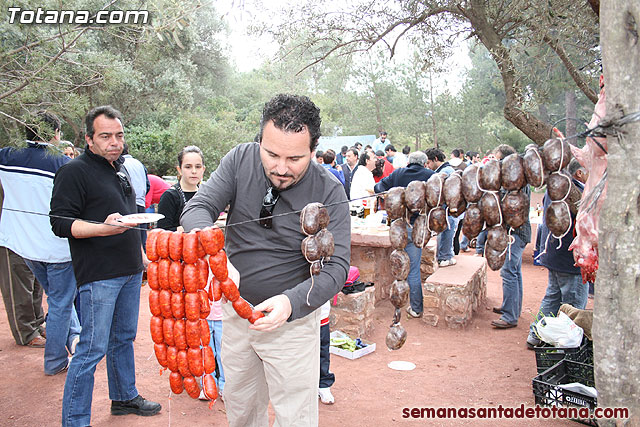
x=559, y=331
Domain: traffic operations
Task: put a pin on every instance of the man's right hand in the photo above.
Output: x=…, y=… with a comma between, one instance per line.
x=111, y=226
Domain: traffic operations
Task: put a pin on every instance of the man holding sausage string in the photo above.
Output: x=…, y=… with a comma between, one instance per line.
x=107, y=261
x=277, y=358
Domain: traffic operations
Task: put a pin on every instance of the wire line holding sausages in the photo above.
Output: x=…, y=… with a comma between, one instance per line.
x=221, y=226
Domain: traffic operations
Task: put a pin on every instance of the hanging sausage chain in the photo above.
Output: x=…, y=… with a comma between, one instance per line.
x=178, y=276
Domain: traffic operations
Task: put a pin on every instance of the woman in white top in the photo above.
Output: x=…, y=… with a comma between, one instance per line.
x=362, y=181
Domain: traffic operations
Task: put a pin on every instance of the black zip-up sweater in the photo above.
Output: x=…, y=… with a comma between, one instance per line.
x=88, y=188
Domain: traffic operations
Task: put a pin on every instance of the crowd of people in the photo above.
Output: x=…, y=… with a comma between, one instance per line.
x=90, y=263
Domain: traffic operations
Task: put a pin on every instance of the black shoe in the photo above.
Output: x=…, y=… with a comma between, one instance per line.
x=497, y=310
x=138, y=406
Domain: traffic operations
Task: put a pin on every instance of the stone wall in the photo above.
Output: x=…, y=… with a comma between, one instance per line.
x=353, y=313
x=451, y=295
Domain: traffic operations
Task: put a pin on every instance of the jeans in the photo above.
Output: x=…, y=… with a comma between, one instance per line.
x=109, y=323
x=327, y=378
x=215, y=328
x=445, y=240
x=480, y=241
x=414, y=279
x=563, y=288
x=59, y=283
x=511, y=273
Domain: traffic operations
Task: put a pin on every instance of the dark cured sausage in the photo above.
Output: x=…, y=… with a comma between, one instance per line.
x=489, y=176
x=473, y=221
x=438, y=220
x=533, y=166
x=558, y=186
x=470, y=190
x=399, y=295
x=434, y=190
x=558, y=218
x=313, y=218
x=512, y=172
x=453, y=194
x=515, y=208
x=398, y=234
x=414, y=196
x=394, y=203
x=310, y=249
x=399, y=261
x=152, y=238
x=497, y=238
x=420, y=234
x=325, y=241
x=556, y=154
x=495, y=258
x=490, y=207
x=396, y=337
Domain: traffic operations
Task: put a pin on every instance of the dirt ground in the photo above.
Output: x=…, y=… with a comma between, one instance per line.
x=476, y=367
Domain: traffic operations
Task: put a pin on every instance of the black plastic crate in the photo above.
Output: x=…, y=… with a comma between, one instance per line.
x=547, y=356
x=548, y=393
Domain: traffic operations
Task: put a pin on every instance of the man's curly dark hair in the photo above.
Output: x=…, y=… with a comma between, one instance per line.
x=291, y=113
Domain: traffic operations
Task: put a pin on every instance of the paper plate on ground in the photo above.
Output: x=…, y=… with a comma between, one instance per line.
x=401, y=365
x=141, y=218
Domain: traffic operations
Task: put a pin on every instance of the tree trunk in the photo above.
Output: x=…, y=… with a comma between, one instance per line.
x=616, y=329
x=433, y=111
x=570, y=113
x=537, y=130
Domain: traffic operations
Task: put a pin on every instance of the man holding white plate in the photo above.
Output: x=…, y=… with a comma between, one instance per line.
x=90, y=196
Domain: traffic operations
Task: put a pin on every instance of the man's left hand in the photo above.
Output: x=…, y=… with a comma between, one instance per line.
x=278, y=310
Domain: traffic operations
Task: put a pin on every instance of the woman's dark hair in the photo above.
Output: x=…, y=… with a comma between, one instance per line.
x=379, y=169
x=363, y=158
x=291, y=113
x=107, y=110
x=189, y=149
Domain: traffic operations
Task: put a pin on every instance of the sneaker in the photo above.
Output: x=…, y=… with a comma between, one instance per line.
x=63, y=369
x=447, y=262
x=533, y=341
x=38, y=342
x=74, y=343
x=325, y=396
x=138, y=406
x=413, y=314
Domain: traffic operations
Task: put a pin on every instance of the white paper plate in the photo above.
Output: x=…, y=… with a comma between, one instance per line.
x=401, y=365
x=141, y=218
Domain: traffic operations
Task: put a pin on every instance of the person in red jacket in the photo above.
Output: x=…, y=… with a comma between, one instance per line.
x=158, y=187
